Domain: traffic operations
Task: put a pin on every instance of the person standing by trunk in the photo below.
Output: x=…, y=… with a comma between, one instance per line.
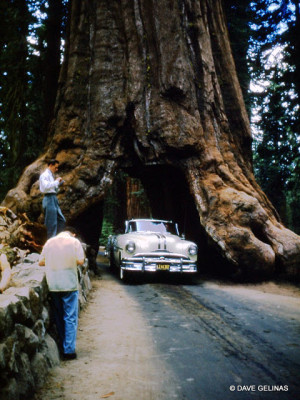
x=54, y=218
x=61, y=255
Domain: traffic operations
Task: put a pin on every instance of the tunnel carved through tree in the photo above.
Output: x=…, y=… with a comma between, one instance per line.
x=151, y=87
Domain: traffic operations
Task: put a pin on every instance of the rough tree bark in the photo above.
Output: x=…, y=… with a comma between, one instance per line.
x=52, y=58
x=150, y=86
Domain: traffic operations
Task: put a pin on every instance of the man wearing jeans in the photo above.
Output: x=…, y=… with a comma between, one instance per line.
x=61, y=255
x=54, y=219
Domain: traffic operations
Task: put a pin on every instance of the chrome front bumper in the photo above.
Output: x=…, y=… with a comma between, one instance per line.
x=153, y=264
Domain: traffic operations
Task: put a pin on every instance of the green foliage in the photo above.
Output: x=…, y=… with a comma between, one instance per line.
x=107, y=229
x=23, y=105
x=265, y=42
x=116, y=208
x=13, y=87
x=276, y=106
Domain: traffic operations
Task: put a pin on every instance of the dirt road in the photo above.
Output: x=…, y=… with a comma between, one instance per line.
x=162, y=340
x=116, y=354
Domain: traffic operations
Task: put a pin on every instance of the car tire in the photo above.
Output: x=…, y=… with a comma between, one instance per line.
x=124, y=275
x=111, y=260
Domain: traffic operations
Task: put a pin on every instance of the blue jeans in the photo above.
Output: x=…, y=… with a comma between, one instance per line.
x=65, y=308
x=54, y=219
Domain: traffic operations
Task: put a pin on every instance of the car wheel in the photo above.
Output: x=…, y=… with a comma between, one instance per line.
x=111, y=259
x=124, y=275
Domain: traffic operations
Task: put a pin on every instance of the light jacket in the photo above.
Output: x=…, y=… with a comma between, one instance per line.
x=60, y=255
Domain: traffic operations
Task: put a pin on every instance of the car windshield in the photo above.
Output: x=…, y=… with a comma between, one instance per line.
x=153, y=226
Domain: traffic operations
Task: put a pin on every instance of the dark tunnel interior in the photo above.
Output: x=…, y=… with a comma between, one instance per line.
x=169, y=198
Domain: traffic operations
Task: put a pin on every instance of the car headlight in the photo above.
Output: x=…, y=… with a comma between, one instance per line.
x=193, y=250
x=130, y=247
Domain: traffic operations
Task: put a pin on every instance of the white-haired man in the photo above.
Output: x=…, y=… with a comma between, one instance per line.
x=61, y=255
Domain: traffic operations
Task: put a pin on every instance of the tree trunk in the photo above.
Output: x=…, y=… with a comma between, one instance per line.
x=137, y=205
x=150, y=86
x=52, y=58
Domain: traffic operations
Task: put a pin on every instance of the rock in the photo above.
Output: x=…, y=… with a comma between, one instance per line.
x=27, y=339
x=4, y=356
x=50, y=351
x=10, y=391
x=39, y=328
x=27, y=350
x=19, y=233
x=40, y=369
x=24, y=377
x=31, y=258
x=6, y=322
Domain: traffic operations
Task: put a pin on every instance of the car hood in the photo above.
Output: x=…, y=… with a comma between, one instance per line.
x=152, y=241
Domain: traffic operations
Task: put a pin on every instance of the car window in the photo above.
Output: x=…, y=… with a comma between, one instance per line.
x=171, y=228
x=156, y=226
x=132, y=227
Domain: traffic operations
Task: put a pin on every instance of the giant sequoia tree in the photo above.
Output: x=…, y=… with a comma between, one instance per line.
x=150, y=87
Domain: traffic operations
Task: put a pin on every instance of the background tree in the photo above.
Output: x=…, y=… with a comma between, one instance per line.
x=240, y=16
x=31, y=33
x=14, y=88
x=55, y=27
x=274, y=67
x=125, y=199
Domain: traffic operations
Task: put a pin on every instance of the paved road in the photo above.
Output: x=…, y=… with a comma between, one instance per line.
x=165, y=339
x=224, y=342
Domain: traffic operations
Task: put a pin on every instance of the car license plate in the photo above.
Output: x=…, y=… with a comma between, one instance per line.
x=163, y=267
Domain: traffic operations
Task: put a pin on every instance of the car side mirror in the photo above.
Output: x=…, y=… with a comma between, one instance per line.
x=183, y=236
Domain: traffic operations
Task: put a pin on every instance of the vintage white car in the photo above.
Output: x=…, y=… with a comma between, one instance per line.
x=150, y=245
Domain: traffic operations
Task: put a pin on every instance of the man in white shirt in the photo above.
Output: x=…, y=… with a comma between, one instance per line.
x=61, y=255
x=54, y=219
